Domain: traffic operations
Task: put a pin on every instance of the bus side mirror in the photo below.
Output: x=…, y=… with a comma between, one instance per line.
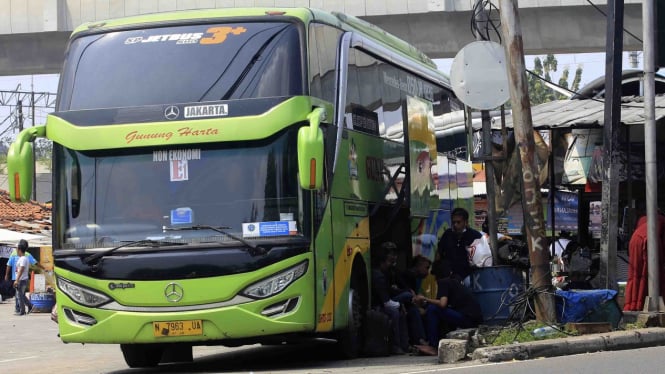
x=310, y=152
x=21, y=163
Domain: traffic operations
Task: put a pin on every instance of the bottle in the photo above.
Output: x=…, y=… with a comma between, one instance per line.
x=544, y=331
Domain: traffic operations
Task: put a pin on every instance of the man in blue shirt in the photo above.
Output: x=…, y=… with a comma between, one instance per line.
x=11, y=266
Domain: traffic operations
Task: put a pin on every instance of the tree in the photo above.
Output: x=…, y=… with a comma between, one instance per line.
x=43, y=151
x=539, y=92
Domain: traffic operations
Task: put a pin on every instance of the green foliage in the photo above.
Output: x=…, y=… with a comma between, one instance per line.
x=633, y=326
x=522, y=333
x=539, y=92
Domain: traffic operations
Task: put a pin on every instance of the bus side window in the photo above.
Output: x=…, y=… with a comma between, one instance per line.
x=322, y=49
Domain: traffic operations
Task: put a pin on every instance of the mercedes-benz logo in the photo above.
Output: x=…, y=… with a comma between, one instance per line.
x=171, y=112
x=174, y=292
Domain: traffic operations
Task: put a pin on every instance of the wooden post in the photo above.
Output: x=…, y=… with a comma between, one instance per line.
x=610, y=188
x=523, y=127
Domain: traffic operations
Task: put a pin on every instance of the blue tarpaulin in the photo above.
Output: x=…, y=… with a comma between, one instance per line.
x=588, y=306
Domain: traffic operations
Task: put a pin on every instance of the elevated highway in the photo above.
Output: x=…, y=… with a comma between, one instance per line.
x=33, y=33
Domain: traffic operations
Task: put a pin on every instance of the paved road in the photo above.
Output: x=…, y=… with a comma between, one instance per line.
x=31, y=342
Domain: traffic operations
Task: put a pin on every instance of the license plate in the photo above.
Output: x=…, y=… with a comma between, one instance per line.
x=178, y=328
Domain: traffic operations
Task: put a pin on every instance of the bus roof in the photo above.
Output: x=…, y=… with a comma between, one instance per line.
x=307, y=15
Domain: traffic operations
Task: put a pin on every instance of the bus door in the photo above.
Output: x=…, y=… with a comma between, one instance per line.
x=352, y=220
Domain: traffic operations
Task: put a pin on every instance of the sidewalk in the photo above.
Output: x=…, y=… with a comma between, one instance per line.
x=611, y=341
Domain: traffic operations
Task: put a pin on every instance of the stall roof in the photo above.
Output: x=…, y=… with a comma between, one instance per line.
x=583, y=113
x=9, y=236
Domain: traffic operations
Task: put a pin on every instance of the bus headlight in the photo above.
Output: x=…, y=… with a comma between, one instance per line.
x=82, y=295
x=276, y=283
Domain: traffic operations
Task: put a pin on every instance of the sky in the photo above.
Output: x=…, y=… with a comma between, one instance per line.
x=593, y=66
x=24, y=83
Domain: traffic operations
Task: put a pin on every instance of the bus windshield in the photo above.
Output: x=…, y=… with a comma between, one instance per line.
x=249, y=189
x=182, y=64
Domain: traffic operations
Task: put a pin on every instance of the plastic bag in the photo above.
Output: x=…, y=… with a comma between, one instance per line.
x=480, y=253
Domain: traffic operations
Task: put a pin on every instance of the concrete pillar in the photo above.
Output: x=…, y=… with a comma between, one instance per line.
x=51, y=13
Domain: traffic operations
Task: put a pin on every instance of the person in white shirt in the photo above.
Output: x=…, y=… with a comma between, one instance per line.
x=21, y=282
x=556, y=250
x=560, y=244
x=11, y=266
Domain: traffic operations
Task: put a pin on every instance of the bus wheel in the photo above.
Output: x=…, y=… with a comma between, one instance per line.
x=350, y=339
x=142, y=355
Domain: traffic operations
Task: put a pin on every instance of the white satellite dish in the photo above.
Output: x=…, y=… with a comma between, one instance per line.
x=479, y=75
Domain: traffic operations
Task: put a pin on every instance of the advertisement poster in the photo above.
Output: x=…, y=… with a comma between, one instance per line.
x=565, y=214
x=565, y=211
x=595, y=218
x=421, y=158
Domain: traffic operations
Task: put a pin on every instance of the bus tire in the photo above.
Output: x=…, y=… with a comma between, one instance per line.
x=350, y=341
x=142, y=355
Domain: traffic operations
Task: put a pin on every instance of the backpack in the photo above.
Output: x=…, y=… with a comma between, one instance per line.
x=377, y=330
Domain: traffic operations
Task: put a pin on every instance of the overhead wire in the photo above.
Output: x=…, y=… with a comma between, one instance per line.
x=581, y=95
x=605, y=14
x=483, y=20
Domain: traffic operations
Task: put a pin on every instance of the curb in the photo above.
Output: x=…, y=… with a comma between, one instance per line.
x=612, y=341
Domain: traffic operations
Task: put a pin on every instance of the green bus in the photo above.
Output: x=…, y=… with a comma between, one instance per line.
x=222, y=176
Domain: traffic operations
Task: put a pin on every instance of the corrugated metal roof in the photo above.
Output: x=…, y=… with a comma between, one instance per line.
x=584, y=113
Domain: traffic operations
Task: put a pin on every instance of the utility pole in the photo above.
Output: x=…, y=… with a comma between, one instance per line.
x=633, y=58
x=654, y=301
x=34, y=170
x=19, y=111
x=523, y=127
x=482, y=18
x=489, y=185
x=611, y=161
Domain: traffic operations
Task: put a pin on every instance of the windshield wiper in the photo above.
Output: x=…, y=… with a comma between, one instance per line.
x=248, y=66
x=147, y=242
x=254, y=249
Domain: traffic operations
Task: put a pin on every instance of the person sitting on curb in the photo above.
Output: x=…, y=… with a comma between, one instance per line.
x=386, y=297
x=454, y=306
x=416, y=280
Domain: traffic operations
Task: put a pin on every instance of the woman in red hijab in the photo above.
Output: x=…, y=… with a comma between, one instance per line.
x=637, y=285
